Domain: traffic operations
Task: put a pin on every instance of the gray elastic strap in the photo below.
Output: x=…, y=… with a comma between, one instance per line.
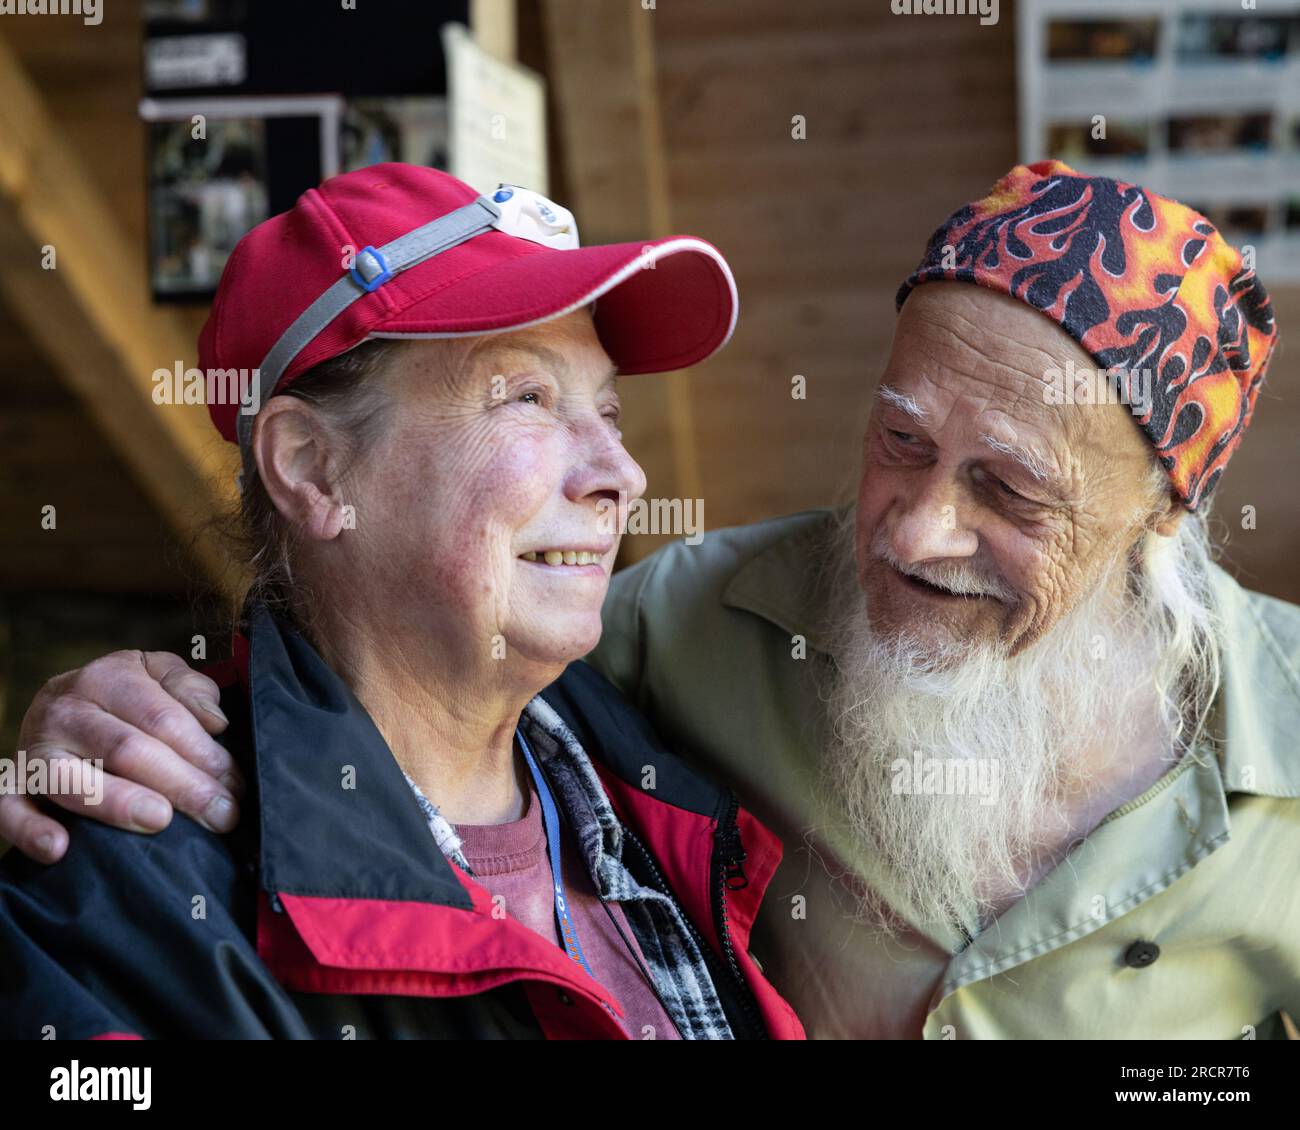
x=400, y=254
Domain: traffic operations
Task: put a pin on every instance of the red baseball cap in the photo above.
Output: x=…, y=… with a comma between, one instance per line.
x=396, y=250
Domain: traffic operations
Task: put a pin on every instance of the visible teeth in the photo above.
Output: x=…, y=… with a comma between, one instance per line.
x=562, y=556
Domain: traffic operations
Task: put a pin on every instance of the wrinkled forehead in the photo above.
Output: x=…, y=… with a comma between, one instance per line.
x=966, y=355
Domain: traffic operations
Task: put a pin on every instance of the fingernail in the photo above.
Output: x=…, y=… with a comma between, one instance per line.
x=220, y=815
x=45, y=845
x=213, y=709
x=234, y=782
x=150, y=813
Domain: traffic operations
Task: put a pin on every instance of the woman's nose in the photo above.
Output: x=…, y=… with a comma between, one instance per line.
x=606, y=467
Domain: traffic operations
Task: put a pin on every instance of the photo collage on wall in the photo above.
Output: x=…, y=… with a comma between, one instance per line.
x=238, y=128
x=1197, y=100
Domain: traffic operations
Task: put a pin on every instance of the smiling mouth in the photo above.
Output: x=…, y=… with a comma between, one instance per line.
x=929, y=589
x=562, y=557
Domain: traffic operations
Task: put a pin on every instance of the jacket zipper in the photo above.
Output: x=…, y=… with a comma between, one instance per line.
x=728, y=874
x=728, y=855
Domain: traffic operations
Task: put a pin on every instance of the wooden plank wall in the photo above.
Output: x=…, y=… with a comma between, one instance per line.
x=907, y=118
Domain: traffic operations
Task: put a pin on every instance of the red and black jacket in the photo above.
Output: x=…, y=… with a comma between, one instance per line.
x=330, y=913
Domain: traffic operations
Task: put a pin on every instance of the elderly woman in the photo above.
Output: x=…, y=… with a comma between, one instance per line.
x=431, y=453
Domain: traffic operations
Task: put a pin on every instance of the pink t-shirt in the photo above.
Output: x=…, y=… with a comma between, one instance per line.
x=512, y=862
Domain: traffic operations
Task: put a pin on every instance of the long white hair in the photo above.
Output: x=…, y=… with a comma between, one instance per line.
x=1172, y=577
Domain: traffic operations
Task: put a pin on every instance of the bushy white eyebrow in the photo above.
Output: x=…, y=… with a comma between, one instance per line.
x=901, y=401
x=1028, y=459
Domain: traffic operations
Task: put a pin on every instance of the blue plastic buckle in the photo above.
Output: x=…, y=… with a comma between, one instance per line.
x=375, y=283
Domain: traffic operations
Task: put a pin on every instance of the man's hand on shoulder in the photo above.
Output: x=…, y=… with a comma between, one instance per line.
x=151, y=720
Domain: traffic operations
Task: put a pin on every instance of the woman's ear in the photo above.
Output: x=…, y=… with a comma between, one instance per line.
x=298, y=463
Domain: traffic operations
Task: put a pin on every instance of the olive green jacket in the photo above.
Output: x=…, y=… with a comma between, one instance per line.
x=1177, y=917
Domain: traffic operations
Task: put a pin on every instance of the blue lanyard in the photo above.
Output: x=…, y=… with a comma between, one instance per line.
x=551, y=816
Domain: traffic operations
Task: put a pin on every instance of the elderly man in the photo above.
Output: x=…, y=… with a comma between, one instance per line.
x=1030, y=751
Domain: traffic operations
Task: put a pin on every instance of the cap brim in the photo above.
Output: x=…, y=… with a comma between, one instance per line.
x=664, y=304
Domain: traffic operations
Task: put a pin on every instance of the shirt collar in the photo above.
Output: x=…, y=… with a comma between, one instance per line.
x=786, y=583
x=1257, y=712
x=1258, y=709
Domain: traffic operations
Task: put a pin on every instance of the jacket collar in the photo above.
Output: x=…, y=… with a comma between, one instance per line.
x=338, y=819
x=368, y=835
x=343, y=830
x=1257, y=712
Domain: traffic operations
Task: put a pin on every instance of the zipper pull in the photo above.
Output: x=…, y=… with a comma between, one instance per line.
x=730, y=852
x=734, y=876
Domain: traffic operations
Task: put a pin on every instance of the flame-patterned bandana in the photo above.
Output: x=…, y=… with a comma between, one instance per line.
x=1146, y=285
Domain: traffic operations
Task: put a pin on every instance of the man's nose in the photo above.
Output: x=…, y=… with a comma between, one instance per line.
x=929, y=524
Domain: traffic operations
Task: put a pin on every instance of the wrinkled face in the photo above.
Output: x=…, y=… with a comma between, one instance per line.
x=483, y=511
x=985, y=512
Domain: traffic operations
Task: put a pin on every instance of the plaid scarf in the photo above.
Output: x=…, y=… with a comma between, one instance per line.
x=672, y=955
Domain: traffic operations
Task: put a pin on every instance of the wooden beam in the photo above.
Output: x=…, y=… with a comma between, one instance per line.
x=601, y=70
x=93, y=317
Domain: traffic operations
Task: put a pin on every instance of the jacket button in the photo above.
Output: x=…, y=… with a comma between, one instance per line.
x=1141, y=954
x=565, y=999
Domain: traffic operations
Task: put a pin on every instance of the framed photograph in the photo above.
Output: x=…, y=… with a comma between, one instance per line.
x=413, y=130
x=219, y=167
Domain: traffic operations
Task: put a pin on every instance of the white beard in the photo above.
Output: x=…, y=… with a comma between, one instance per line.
x=1034, y=724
